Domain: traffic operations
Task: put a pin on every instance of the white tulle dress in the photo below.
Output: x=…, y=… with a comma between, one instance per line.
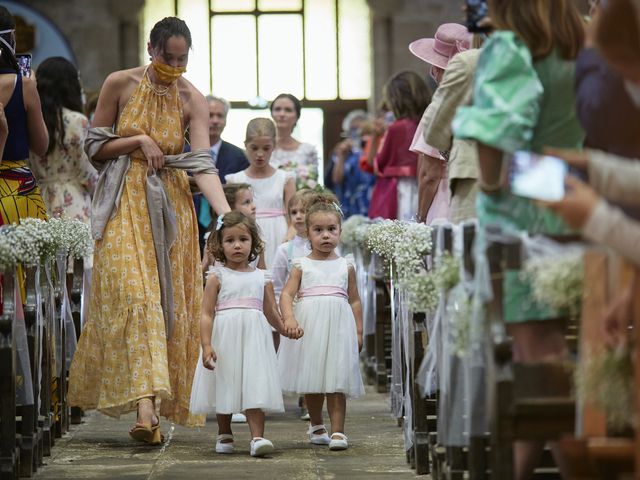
x=325, y=359
x=268, y=195
x=246, y=372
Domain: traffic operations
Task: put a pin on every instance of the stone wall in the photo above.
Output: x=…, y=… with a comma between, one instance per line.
x=104, y=34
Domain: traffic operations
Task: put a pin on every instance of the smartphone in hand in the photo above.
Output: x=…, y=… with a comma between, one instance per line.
x=476, y=11
x=539, y=177
x=24, y=64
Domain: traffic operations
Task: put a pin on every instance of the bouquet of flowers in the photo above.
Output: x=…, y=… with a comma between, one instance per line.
x=605, y=379
x=558, y=281
x=350, y=228
x=8, y=247
x=422, y=291
x=447, y=272
x=411, y=248
x=33, y=241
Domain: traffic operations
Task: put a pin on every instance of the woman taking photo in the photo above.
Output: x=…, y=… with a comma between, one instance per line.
x=141, y=339
x=19, y=193
x=524, y=100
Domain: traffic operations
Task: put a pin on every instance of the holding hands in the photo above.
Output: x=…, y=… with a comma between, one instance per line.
x=292, y=329
x=209, y=357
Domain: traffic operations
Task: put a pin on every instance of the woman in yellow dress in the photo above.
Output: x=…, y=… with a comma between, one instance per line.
x=127, y=357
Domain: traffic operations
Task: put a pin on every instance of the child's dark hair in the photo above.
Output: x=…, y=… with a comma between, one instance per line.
x=299, y=198
x=230, y=192
x=322, y=202
x=232, y=219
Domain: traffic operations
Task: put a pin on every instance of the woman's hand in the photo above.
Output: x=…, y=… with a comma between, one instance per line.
x=209, y=357
x=360, y=341
x=152, y=152
x=618, y=317
x=578, y=204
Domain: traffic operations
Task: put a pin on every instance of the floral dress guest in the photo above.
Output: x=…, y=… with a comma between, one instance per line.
x=65, y=176
x=290, y=154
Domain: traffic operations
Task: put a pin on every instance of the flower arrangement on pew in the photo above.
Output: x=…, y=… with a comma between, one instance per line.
x=447, y=272
x=35, y=240
x=352, y=233
x=558, y=281
x=604, y=378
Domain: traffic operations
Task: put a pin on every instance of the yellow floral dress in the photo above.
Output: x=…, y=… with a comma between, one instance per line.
x=123, y=353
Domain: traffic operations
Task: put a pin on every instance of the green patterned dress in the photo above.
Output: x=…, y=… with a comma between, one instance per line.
x=520, y=104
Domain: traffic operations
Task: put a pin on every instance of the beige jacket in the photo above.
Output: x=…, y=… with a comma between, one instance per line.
x=616, y=179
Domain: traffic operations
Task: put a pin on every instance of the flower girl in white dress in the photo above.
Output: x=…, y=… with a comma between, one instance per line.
x=325, y=362
x=237, y=370
x=272, y=188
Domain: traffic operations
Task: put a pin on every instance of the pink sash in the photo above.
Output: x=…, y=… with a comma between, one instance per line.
x=269, y=213
x=248, y=302
x=323, y=291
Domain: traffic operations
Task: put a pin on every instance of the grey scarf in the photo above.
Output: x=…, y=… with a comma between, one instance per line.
x=162, y=216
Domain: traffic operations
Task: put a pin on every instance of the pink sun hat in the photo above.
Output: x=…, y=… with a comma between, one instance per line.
x=450, y=38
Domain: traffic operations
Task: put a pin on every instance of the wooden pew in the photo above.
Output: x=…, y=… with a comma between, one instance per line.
x=383, y=330
x=77, y=284
x=9, y=440
x=530, y=401
x=593, y=454
x=46, y=412
x=27, y=414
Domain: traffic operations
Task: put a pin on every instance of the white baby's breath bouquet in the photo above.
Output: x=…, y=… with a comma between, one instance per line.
x=80, y=240
x=447, y=272
x=422, y=291
x=605, y=379
x=412, y=248
x=8, y=247
x=349, y=236
x=558, y=280
x=33, y=241
x=382, y=238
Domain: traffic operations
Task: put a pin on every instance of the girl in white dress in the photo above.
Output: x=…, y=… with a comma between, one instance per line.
x=237, y=368
x=325, y=362
x=272, y=188
x=240, y=198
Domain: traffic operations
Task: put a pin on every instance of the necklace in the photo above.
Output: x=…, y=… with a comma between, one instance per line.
x=160, y=90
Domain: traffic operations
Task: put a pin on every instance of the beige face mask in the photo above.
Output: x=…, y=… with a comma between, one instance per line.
x=166, y=73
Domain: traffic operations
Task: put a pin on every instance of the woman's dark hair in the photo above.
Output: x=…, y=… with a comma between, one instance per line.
x=58, y=87
x=232, y=219
x=296, y=103
x=407, y=94
x=166, y=28
x=7, y=58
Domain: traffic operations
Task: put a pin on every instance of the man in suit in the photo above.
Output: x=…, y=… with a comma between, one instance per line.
x=227, y=157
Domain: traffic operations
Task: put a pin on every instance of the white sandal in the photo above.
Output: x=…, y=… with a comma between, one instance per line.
x=260, y=447
x=340, y=443
x=318, y=438
x=226, y=447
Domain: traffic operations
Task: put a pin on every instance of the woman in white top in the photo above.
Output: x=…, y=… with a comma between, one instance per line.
x=290, y=154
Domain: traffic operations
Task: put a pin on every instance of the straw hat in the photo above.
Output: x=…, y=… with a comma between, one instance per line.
x=450, y=38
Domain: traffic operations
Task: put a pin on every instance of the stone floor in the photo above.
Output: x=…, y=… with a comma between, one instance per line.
x=100, y=448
